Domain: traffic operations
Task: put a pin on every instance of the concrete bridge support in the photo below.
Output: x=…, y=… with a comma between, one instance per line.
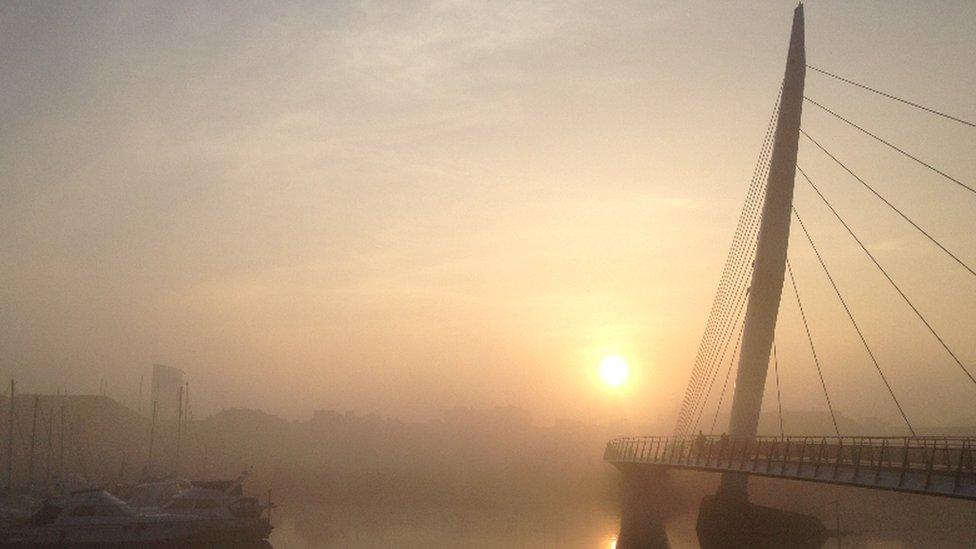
x=769, y=267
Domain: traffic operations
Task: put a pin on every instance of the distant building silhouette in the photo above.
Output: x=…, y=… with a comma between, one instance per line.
x=166, y=383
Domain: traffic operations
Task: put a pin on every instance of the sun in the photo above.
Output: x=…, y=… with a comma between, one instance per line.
x=614, y=370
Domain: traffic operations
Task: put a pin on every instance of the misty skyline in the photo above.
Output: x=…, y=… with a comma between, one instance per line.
x=402, y=208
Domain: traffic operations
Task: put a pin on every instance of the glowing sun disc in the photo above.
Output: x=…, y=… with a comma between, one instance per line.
x=614, y=371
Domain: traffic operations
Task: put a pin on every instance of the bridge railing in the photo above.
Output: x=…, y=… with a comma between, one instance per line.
x=811, y=457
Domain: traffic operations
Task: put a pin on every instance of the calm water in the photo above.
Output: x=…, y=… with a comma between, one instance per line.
x=570, y=527
x=872, y=519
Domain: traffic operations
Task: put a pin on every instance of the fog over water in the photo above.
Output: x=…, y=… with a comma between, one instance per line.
x=419, y=261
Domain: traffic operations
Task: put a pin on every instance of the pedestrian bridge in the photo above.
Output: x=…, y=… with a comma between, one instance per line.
x=938, y=466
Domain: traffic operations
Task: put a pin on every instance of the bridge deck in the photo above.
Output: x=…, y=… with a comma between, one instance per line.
x=939, y=466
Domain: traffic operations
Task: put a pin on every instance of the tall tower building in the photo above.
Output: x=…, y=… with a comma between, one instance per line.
x=166, y=384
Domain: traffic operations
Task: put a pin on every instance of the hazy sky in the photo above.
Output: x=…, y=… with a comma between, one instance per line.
x=399, y=207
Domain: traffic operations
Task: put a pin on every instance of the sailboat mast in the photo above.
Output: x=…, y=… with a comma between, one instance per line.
x=10, y=437
x=179, y=428
x=61, y=444
x=152, y=438
x=769, y=267
x=30, y=457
